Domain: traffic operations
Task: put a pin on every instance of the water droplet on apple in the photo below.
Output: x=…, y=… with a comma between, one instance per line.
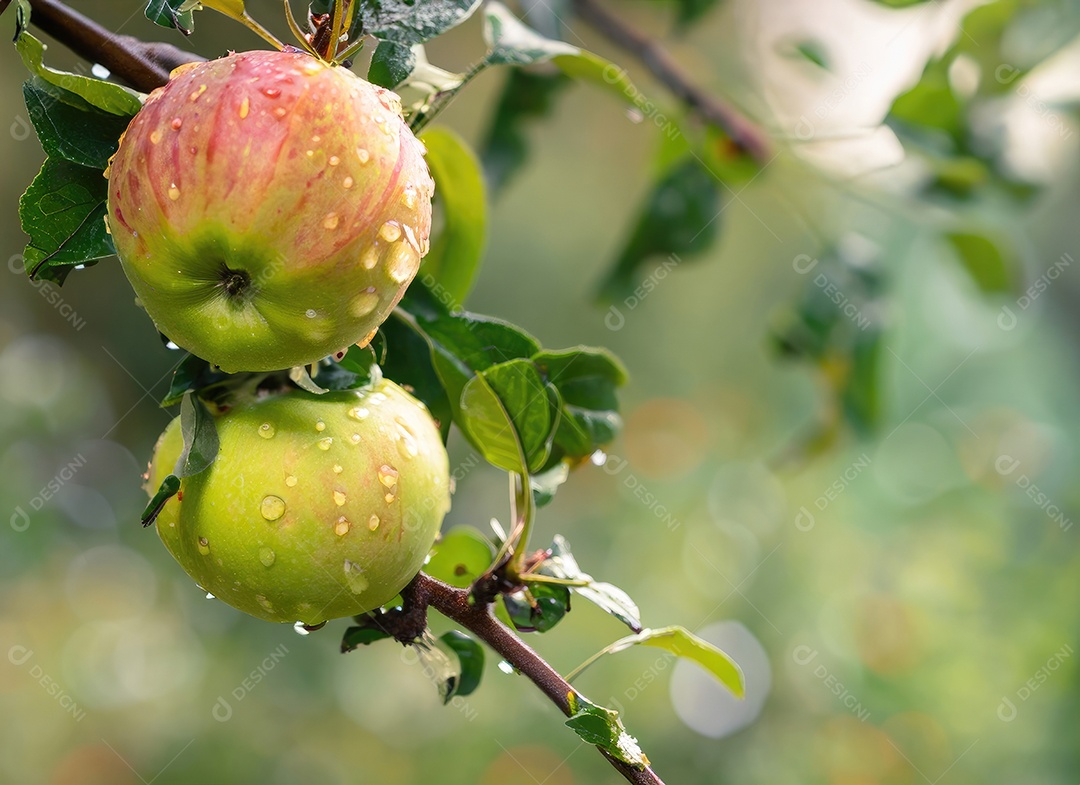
x=358, y=413
x=339, y=498
x=363, y=155
x=388, y=475
x=272, y=507
x=354, y=577
x=370, y=257
x=155, y=136
x=174, y=192
x=266, y=430
x=280, y=112
x=409, y=198
x=177, y=123
x=341, y=528
x=271, y=92
x=338, y=468
x=203, y=545
x=324, y=444
x=267, y=556
x=401, y=262
x=310, y=313
x=390, y=231
x=347, y=183
x=364, y=303
x=331, y=221
x=355, y=438
x=264, y=602
x=290, y=480
x=320, y=425
x=373, y=522
x=376, y=398
x=245, y=107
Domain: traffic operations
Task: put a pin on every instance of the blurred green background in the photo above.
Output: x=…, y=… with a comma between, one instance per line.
x=901, y=595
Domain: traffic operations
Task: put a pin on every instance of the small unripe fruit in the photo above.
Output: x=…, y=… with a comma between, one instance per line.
x=317, y=507
x=268, y=209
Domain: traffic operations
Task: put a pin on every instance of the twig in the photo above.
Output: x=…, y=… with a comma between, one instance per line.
x=454, y=604
x=663, y=66
x=142, y=65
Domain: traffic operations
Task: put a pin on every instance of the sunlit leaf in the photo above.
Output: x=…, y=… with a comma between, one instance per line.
x=682, y=643
x=607, y=597
x=460, y=557
x=106, y=96
x=457, y=249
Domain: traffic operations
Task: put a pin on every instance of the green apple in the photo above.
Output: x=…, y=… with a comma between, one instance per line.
x=317, y=507
x=269, y=209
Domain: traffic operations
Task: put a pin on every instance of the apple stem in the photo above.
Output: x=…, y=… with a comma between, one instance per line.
x=456, y=605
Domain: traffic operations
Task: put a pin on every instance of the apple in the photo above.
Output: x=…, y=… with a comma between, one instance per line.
x=317, y=506
x=269, y=209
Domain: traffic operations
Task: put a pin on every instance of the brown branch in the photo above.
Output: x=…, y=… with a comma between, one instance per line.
x=142, y=65
x=746, y=136
x=454, y=604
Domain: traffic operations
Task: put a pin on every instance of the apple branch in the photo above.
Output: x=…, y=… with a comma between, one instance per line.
x=142, y=65
x=746, y=136
x=453, y=603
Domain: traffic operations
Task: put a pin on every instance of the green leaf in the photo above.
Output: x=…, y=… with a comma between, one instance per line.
x=609, y=598
x=108, y=97
x=586, y=378
x=63, y=211
x=408, y=361
x=200, y=437
x=457, y=249
x=552, y=603
x=463, y=344
x=169, y=488
x=168, y=13
x=680, y=217
x=363, y=635
x=86, y=137
x=525, y=97
x=391, y=64
x=409, y=22
x=547, y=482
x=602, y=726
x=531, y=405
x=191, y=375
x=510, y=42
x=814, y=51
x=460, y=557
x=985, y=260
x=487, y=424
x=682, y=643
x=470, y=656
